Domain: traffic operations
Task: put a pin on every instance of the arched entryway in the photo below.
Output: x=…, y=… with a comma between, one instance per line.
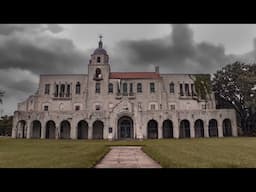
x=97, y=130
x=152, y=129
x=65, y=130
x=36, y=129
x=199, y=128
x=213, y=128
x=125, y=128
x=227, y=128
x=184, y=129
x=21, y=129
x=50, y=130
x=167, y=129
x=82, y=130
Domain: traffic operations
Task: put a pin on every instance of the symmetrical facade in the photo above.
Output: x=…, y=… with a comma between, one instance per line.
x=120, y=105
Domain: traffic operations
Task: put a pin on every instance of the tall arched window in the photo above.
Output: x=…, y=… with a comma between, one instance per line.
x=78, y=87
x=125, y=91
x=171, y=87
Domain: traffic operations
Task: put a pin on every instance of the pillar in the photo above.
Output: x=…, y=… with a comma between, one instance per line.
x=43, y=130
x=206, y=131
x=220, y=130
x=90, y=130
x=28, y=126
x=192, y=130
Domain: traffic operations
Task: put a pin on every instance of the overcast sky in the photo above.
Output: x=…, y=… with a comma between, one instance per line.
x=27, y=50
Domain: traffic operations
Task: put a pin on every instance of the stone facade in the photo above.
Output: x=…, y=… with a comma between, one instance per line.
x=120, y=105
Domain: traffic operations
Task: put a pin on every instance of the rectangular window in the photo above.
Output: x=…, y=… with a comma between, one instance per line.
x=77, y=107
x=97, y=88
x=181, y=90
x=47, y=89
x=97, y=107
x=131, y=88
x=62, y=90
x=56, y=90
x=152, y=106
x=46, y=108
x=68, y=91
x=139, y=88
x=187, y=93
x=110, y=88
x=171, y=88
x=172, y=107
x=152, y=87
x=125, y=88
x=203, y=106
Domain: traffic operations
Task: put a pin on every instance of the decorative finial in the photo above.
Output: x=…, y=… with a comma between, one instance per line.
x=100, y=42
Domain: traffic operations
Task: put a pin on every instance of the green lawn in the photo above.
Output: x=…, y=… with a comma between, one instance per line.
x=186, y=153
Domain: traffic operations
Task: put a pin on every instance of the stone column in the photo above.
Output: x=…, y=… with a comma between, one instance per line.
x=43, y=130
x=89, y=130
x=192, y=130
x=175, y=127
x=160, y=130
x=73, y=130
x=220, y=130
x=57, y=134
x=206, y=125
x=28, y=129
x=105, y=128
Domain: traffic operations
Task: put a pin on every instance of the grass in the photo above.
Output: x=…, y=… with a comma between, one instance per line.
x=170, y=153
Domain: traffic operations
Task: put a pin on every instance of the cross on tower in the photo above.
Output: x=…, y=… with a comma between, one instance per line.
x=100, y=37
x=100, y=42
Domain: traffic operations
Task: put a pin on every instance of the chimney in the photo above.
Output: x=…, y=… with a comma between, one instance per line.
x=157, y=69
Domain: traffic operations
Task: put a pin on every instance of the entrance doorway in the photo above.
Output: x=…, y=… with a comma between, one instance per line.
x=125, y=128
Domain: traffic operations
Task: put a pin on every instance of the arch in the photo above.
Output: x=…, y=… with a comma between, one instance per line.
x=65, y=130
x=125, y=127
x=213, y=128
x=97, y=129
x=21, y=129
x=167, y=129
x=199, y=128
x=36, y=129
x=82, y=130
x=227, y=128
x=50, y=130
x=152, y=129
x=184, y=129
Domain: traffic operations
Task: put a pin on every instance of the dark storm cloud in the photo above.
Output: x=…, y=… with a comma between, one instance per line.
x=6, y=29
x=44, y=55
x=181, y=54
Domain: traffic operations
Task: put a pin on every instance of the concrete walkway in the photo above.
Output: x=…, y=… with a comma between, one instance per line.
x=127, y=157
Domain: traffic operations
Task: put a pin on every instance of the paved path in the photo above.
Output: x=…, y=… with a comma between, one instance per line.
x=127, y=157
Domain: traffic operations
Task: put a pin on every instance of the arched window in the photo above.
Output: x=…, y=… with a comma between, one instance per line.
x=78, y=87
x=98, y=75
x=171, y=87
x=110, y=87
x=139, y=88
x=125, y=88
x=62, y=90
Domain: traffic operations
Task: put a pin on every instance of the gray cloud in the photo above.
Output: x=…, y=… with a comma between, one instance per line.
x=180, y=55
x=6, y=29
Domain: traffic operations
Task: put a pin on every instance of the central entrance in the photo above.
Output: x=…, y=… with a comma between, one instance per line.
x=125, y=128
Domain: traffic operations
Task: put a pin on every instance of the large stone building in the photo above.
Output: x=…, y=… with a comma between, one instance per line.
x=120, y=105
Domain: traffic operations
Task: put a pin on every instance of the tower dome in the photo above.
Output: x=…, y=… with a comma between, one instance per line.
x=100, y=50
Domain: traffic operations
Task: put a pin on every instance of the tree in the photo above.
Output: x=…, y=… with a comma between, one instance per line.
x=234, y=84
x=1, y=95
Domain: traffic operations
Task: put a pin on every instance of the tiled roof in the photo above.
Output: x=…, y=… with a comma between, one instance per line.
x=134, y=75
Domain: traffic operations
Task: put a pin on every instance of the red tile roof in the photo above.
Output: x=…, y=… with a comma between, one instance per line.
x=134, y=75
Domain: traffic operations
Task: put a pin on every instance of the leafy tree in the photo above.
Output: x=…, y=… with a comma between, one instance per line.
x=6, y=125
x=1, y=95
x=234, y=84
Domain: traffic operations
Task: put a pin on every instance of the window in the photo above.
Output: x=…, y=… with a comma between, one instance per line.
x=110, y=87
x=171, y=87
x=187, y=93
x=152, y=87
x=68, y=91
x=172, y=107
x=97, y=88
x=98, y=75
x=47, y=89
x=152, y=107
x=62, y=90
x=181, y=90
x=139, y=88
x=125, y=88
x=97, y=107
x=98, y=59
x=131, y=88
x=203, y=106
x=46, y=108
x=192, y=90
x=77, y=107
x=56, y=90
x=78, y=88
